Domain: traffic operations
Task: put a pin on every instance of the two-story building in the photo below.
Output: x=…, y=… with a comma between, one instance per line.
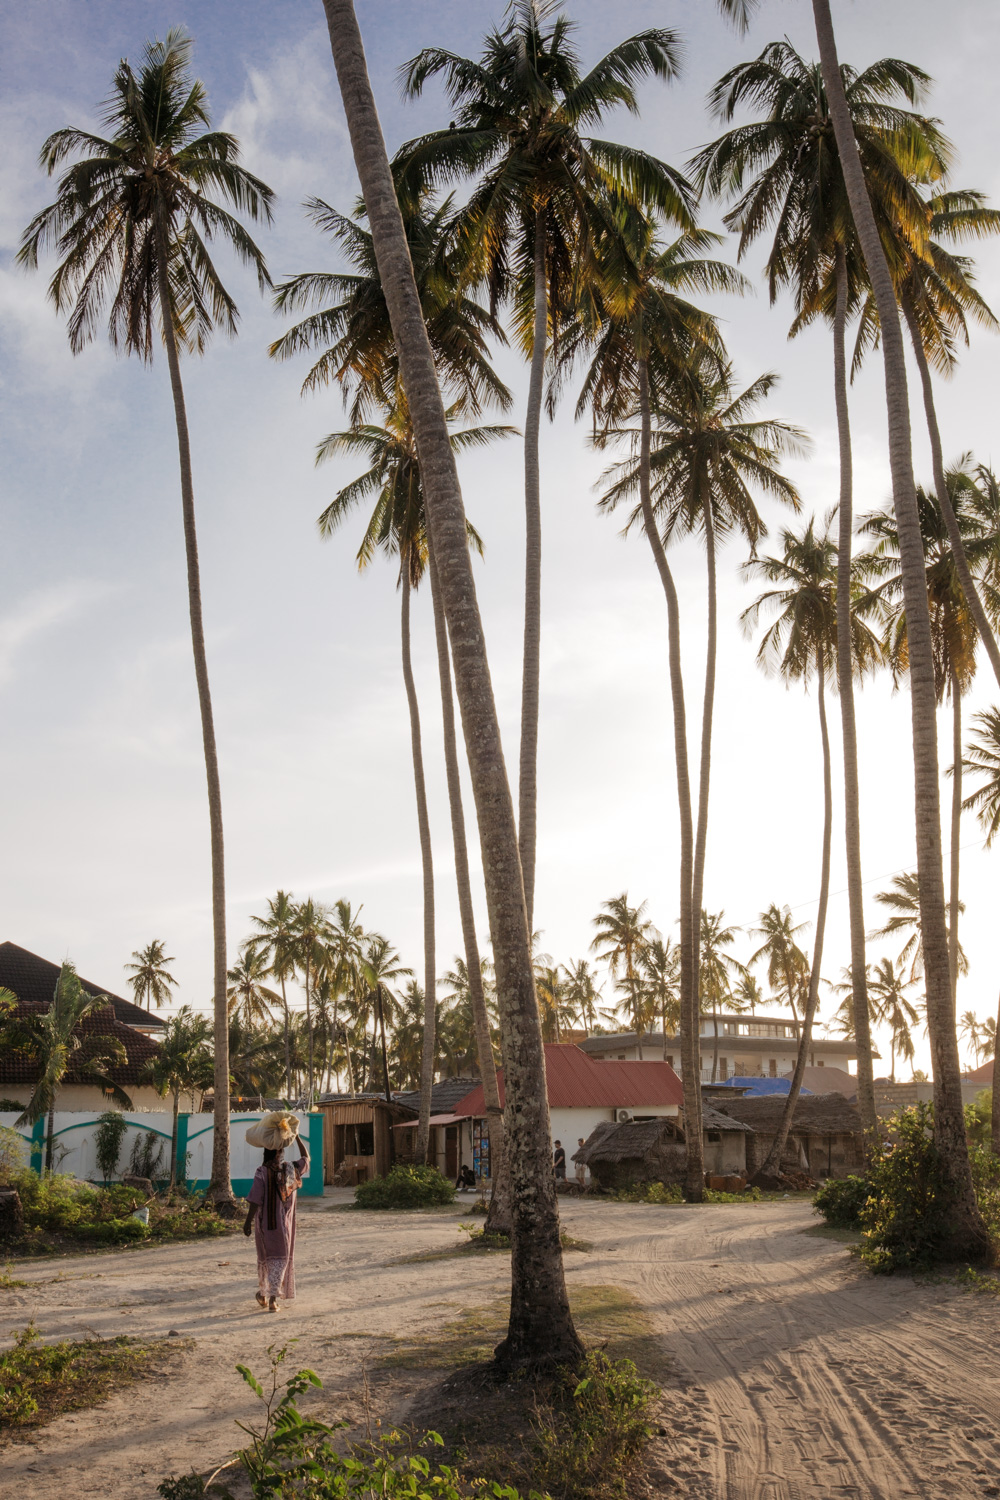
x=731, y=1046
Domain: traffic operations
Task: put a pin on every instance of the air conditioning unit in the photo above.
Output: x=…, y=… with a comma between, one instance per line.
x=622, y=1116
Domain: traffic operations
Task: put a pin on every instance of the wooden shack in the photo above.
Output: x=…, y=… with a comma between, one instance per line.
x=358, y=1139
x=619, y=1155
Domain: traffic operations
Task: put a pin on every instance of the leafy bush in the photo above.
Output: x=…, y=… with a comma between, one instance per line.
x=979, y=1118
x=146, y=1159
x=651, y=1192
x=292, y=1456
x=103, y=1216
x=112, y=1128
x=904, y=1220
x=590, y=1430
x=11, y=1106
x=11, y=1153
x=841, y=1202
x=748, y=1195
x=405, y=1187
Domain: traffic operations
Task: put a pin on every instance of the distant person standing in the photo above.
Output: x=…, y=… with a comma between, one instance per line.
x=581, y=1170
x=559, y=1162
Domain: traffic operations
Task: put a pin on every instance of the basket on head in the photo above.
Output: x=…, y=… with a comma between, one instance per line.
x=275, y=1130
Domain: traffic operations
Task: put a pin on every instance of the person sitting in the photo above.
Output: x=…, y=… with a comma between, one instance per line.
x=465, y=1180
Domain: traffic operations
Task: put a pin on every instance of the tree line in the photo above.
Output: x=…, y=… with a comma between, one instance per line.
x=593, y=252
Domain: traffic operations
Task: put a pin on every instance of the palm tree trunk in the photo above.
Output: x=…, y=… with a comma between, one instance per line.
x=50, y=1138
x=350, y=1065
x=956, y=833
x=848, y=723
x=969, y=1238
x=540, y=1331
x=309, y=1033
x=944, y=498
x=427, y=865
x=173, y=1142
x=689, y=1022
x=220, y=1188
x=708, y=710
x=995, y=1108
x=288, y=1045
x=528, y=779
x=772, y=1162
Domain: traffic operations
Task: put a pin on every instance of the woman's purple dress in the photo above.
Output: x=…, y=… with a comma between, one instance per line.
x=276, y=1244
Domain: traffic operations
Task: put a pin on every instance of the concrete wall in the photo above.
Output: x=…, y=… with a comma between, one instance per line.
x=727, y=1155
x=76, y=1152
x=78, y=1096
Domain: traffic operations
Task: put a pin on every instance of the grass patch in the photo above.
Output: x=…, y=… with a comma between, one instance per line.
x=833, y=1232
x=41, y=1381
x=7, y=1280
x=605, y=1316
x=985, y=1283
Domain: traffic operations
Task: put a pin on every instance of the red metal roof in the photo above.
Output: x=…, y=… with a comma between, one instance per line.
x=575, y=1081
x=983, y=1075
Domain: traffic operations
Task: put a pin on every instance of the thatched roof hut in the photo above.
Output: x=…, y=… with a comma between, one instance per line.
x=655, y=1150
x=826, y=1137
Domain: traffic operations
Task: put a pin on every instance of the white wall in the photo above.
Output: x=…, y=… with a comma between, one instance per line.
x=75, y=1150
x=81, y=1096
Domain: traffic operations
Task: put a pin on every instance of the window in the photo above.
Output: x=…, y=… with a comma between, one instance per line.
x=621, y=1057
x=820, y=1063
x=715, y=1135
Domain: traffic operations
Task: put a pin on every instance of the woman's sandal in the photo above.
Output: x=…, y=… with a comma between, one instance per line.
x=272, y=1305
x=261, y=1300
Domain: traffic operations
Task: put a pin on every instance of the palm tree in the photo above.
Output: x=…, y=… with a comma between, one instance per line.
x=968, y=1232
x=969, y=1027
x=891, y=1007
x=660, y=984
x=309, y=926
x=540, y=1328
x=275, y=937
x=537, y=206
x=642, y=335
x=902, y=900
x=342, y=958
x=183, y=1061
x=149, y=980
x=55, y=1040
x=954, y=632
x=747, y=996
x=249, y=997
x=786, y=962
x=982, y=758
x=133, y=221
x=380, y=969
x=398, y=526
x=803, y=641
x=784, y=170
x=937, y=294
x=716, y=968
x=582, y=992
x=623, y=933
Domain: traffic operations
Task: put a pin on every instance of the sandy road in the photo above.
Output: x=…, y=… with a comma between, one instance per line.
x=796, y=1376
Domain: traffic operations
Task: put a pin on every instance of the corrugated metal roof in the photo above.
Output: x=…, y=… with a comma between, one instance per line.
x=575, y=1081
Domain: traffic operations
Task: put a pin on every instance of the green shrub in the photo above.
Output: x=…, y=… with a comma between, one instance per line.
x=904, y=1220
x=112, y=1231
x=748, y=1195
x=979, y=1118
x=11, y=1153
x=590, y=1430
x=103, y=1216
x=112, y=1127
x=650, y=1192
x=405, y=1187
x=841, y=1202
x=292, y=1455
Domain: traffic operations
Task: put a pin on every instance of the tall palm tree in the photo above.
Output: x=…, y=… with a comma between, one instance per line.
x=381, y=970
x=660, y=984
x=540, y=1327
x=183, y=1061
x=902, y=901
x=641, y=334
x=582, y=992
x=716, y=969
x=801, y=643
x=342, y=957
x=622, y=935
x=538, y=203
x=786, y=962
x=892, y=1007
x=54, y=1039
x=149, y=979
x=309, y=926
x=982, y=759
x=133, y=221
x=274, y=936
x=783, y=168
x=709, y=455
x=398, y=526
x=937, y=296
x=249, y=997
x=954, y=632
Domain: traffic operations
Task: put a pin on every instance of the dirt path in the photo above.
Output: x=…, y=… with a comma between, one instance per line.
x=795, y=1375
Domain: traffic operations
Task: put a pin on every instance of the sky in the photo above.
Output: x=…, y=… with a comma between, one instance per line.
x=105, y=842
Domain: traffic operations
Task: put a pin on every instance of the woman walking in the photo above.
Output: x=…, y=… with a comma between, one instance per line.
x=272, y=1206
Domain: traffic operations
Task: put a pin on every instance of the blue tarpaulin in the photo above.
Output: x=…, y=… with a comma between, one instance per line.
x=757, y=1087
